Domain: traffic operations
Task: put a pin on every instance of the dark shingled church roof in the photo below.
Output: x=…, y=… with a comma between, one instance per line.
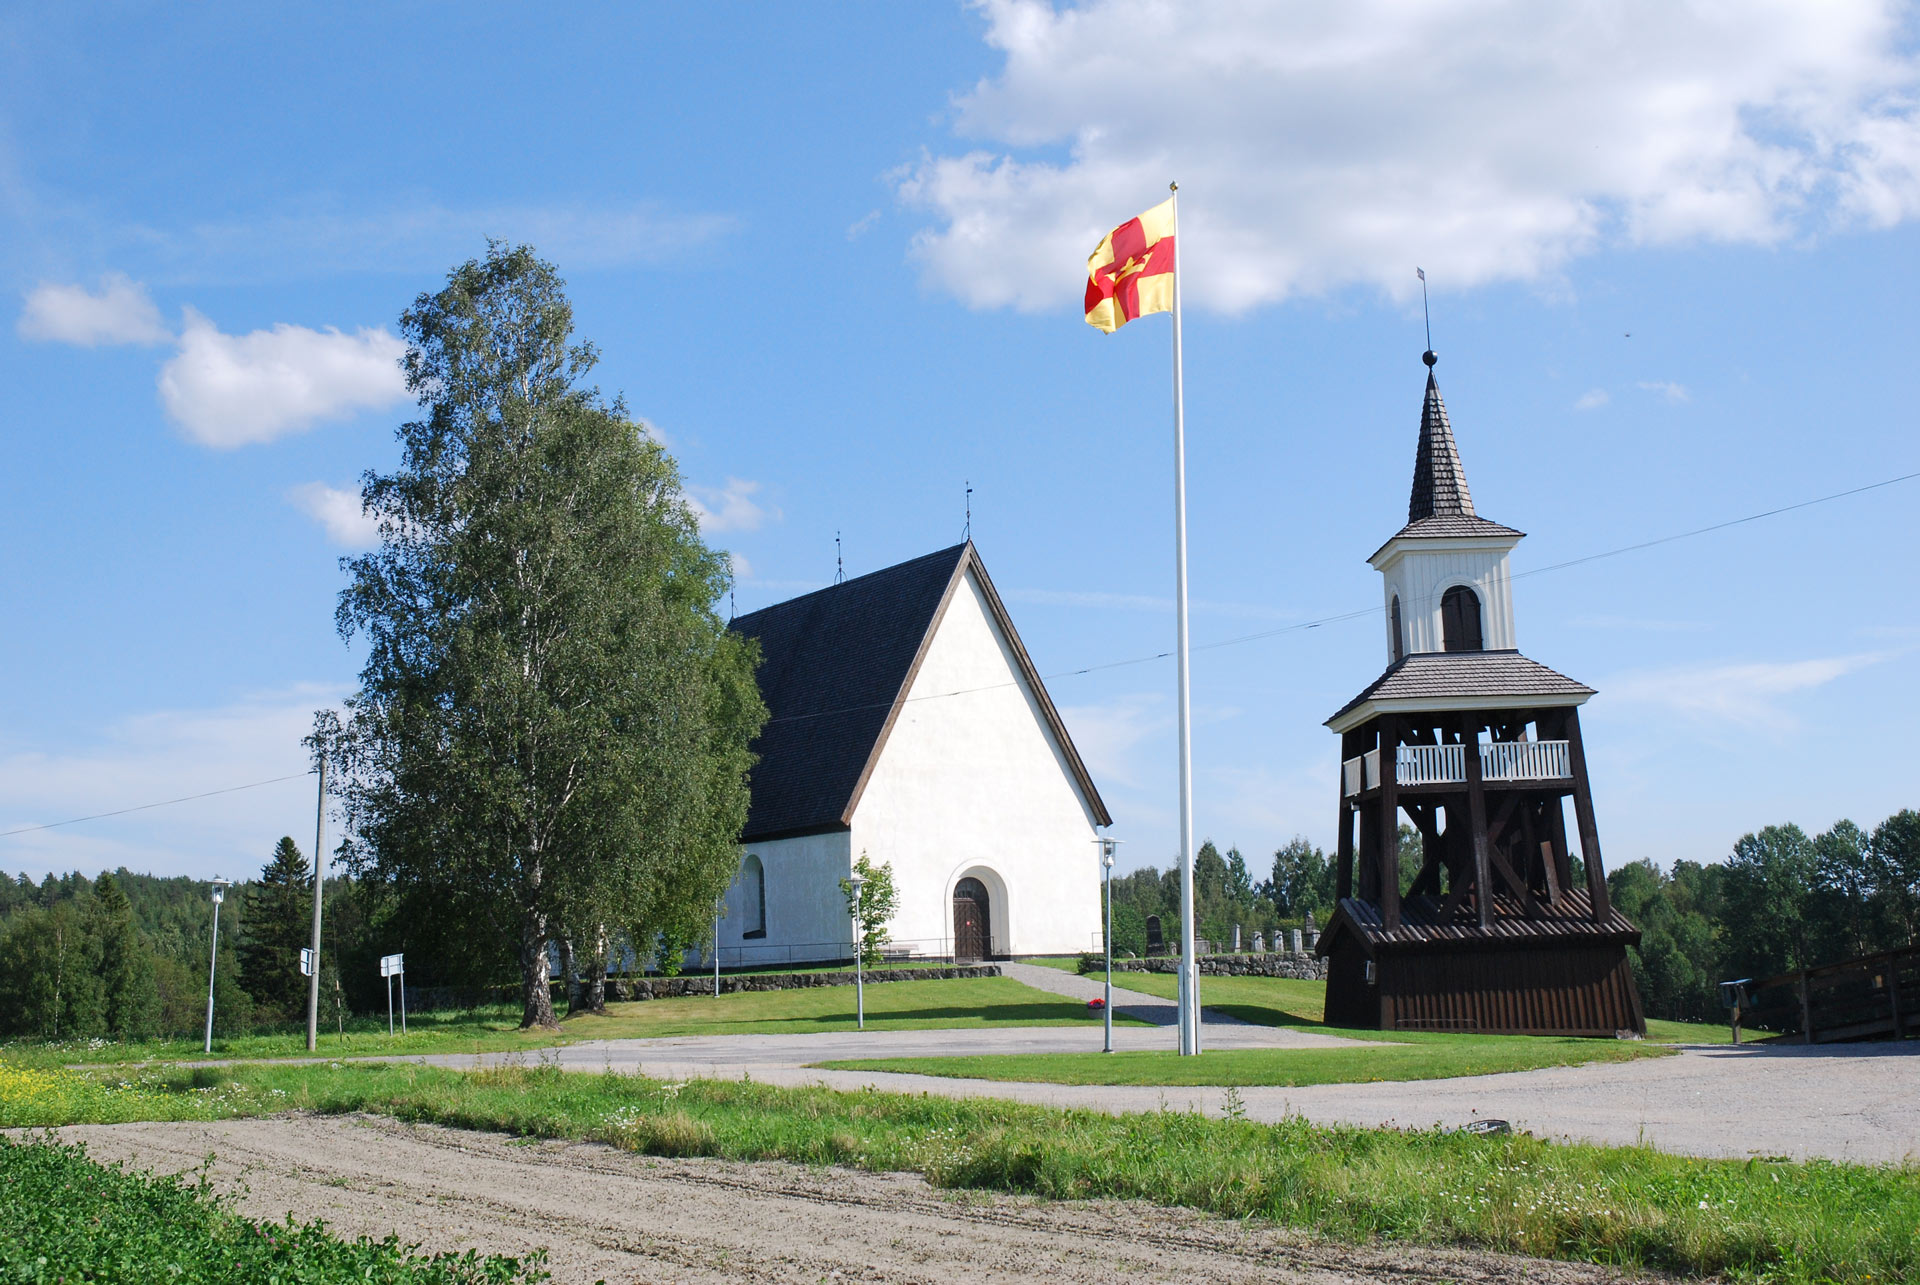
x=835, y=664
x=1499, y=674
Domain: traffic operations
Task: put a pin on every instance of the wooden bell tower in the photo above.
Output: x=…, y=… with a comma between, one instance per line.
x=1479, y=747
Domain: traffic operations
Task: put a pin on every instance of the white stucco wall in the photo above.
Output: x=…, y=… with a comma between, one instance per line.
x=1423, y=571
x=975, y=783
x=807, y=916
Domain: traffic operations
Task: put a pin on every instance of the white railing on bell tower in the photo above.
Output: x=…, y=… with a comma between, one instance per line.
x=1447, y=764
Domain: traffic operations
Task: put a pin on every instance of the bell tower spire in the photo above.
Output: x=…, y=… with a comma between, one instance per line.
x=1439, y=481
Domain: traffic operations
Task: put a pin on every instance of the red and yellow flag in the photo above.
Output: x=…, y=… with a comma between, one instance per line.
x=1131, y=274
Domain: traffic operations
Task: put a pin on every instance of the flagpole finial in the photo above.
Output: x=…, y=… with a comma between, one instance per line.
x=1173, y=187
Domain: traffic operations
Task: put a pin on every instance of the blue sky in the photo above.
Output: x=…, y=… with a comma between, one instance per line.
x=835, y=256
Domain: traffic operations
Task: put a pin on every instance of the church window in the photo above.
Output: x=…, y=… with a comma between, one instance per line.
x=753, y=896
x=1460, y=620
x=1399, y=635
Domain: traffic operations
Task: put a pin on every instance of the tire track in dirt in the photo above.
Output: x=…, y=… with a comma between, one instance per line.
x=608, y=1214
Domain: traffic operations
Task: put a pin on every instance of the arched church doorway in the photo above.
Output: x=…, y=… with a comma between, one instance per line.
x=972, y=921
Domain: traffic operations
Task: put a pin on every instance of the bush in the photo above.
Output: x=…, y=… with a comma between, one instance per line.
x=64, y=1217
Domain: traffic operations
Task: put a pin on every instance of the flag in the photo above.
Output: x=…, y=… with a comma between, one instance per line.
x=1131, y=273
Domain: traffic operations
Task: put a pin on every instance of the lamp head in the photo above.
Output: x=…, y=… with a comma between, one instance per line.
x=219, y=891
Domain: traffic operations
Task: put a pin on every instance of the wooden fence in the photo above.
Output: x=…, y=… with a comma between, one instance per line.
x=1872, y=997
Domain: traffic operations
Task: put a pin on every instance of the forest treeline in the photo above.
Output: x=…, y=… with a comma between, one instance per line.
x=125, y=956
x=1781, y=900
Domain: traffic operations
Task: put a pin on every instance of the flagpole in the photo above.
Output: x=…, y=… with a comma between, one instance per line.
x=1189, y=965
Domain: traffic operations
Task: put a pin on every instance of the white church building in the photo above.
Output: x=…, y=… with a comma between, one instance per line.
x=907, y=722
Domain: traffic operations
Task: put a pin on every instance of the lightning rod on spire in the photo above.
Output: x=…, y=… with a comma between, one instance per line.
x=1429, y=356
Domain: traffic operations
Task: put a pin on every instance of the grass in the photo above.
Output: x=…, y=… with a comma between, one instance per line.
x=1280, y=1001
x=1795, y=1224
x=1065, y=963
x=959, y=1002
x=1412, y=1056
x=64, y=1217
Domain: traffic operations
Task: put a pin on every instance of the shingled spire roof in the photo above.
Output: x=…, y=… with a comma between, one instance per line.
x=1439, y=483
x=1441, y=507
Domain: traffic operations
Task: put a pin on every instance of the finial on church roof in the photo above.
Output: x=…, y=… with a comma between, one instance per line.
x=1430, y=357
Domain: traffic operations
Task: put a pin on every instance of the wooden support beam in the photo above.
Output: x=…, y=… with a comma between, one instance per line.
x=1390, y=821
x=1538, y=851
x=1583, y=816
x=1477, y=815
x=1343, y=859
x=1343, y=878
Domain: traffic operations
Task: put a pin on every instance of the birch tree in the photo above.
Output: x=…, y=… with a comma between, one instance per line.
x=552, y=720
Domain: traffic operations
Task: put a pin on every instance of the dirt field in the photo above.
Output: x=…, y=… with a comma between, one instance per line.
x=609, y=1215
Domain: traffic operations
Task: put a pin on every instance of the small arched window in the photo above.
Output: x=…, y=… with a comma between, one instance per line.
x=1460, y=620
x=1399, y=635
x=753, y=896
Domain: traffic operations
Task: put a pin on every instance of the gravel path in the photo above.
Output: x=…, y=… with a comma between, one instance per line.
x=608, y=1215
x=1857, y=1102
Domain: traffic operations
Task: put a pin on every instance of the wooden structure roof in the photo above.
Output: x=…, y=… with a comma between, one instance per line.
x=1569, y=920
x=1459, y=679
x=835, y=667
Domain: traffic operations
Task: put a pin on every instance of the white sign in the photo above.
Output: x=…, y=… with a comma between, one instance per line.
x=306, y=962
x=391, y=965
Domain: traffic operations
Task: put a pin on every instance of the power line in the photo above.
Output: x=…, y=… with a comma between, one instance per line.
x=142, y=807
x=1301, y=627
x=1344, y=616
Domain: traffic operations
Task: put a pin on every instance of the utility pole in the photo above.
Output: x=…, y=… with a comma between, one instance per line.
x=319, y=881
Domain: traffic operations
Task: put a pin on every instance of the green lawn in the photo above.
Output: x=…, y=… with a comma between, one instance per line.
x=1065, y=963
x=1412, y=1056
x=956, y=1002
x=1279, y=1001
x=1795, y=1224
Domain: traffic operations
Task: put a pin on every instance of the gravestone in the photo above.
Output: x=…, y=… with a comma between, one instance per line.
x=1236, y=939
x=1156, y=941
x=1296, y=943
x=1259, y=943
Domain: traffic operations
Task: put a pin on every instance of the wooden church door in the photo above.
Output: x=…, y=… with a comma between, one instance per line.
x=971, y=937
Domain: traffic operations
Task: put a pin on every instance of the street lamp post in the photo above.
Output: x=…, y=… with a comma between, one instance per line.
x=856, y=881
x=716, y=950
x=219, y=895
x=1107, y=847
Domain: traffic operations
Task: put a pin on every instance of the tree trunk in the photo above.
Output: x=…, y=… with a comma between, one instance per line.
x=535, y=997
x=569, y=974
x=596, y=988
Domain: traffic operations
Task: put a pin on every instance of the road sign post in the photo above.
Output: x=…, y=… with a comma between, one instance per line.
x=392, y=966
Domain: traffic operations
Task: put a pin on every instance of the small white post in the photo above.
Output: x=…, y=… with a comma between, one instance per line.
x=856, y=881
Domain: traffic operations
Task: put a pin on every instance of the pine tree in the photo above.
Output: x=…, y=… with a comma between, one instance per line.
x=276, y=924
x=126, y=965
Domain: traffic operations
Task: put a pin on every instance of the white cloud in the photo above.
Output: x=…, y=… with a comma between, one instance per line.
x=230, y=390
x=742, y=569
x=1592, y=399
x=1751, y=695
x=1673, y=392
x=728, y=508
x=339, y=512
x=1320, y=146
x=862, y=225
x=119, y=313
x=168, y=754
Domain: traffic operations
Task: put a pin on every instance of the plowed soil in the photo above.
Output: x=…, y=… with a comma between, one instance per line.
x=608, y=1215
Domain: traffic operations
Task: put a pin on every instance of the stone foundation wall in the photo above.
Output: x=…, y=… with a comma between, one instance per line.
x=428, y=999
x=702, y=983
x=1300, y=968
